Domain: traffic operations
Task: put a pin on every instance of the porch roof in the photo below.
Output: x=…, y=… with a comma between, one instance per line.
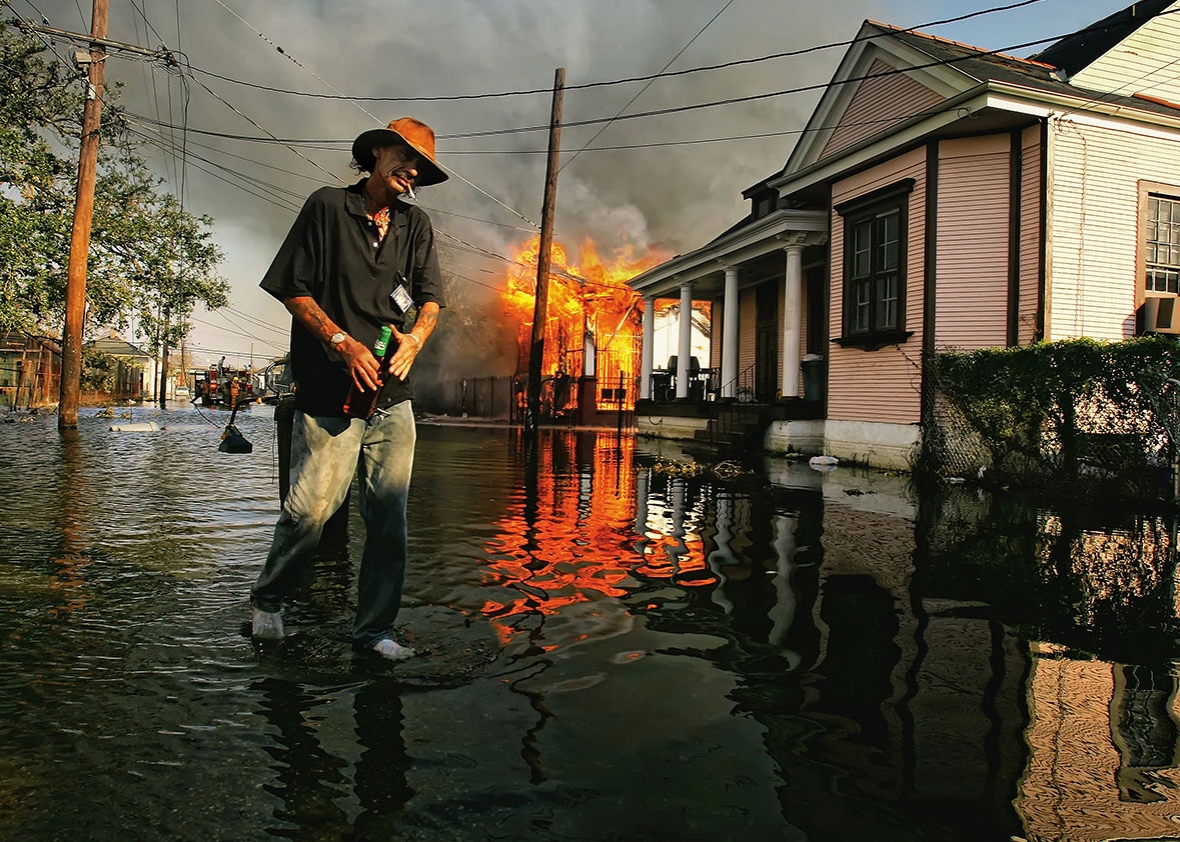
x=115, y=347
x=705, y=267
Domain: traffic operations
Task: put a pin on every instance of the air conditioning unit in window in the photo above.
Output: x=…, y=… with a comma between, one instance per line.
x=1160, y=315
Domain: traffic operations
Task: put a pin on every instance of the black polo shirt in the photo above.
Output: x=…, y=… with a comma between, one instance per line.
x=333, y=253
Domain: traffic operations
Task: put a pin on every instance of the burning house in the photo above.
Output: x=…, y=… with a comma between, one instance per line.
x=592, y=349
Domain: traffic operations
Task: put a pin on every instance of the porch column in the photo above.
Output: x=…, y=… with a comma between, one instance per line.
x=792, y=320
x=645, y=349
x=684, y=349
x=729, y=334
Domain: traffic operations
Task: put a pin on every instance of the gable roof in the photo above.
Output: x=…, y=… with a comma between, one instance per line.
x=948, y=68
x=988, y=66
x=940, y=67
x=1074, y=52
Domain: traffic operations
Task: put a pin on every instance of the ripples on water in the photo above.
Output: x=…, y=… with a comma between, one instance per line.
x=619, y=648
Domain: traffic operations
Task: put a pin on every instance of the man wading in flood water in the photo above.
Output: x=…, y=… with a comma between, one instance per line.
x=356, y=259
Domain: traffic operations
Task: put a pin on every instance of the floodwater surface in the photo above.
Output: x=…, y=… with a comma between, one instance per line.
x=618, y=643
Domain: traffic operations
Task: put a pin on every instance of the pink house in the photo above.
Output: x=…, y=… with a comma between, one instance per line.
x=942, y=197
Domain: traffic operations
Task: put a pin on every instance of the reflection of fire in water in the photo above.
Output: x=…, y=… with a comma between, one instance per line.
x=572, y=549
x=590, y=310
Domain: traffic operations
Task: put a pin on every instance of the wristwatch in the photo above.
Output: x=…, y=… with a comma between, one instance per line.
x=336, y=339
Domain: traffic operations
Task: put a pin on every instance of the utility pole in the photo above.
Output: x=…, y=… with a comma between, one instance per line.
x=71, y=346
x=541, y=303
x=164, y=352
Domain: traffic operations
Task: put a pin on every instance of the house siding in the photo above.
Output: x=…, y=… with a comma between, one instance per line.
x=1142, y=63
x=884, y=385
x=747, y=329
x=897, y=96
x=973, y=237
x=718, y=336
x=1095, y=225
x=1030, y=235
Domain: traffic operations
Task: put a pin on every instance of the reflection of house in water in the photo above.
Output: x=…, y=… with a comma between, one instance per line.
x=1113, y=566
x=878, y=701
x=870, y=647
x=880, y=644
x=1103, y=751
x=1104, y=744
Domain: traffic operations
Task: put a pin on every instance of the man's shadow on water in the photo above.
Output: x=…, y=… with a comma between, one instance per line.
x=311, y=782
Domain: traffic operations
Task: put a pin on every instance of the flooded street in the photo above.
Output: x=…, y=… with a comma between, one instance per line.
x=618, y=646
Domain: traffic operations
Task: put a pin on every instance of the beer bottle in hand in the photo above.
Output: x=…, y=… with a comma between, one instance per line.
x=360, y=403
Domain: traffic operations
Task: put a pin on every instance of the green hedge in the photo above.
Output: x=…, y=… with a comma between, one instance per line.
x=1018, y=400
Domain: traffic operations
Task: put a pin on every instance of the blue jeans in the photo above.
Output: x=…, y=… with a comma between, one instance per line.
x=324, y=457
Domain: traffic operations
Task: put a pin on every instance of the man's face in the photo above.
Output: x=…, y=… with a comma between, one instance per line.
x=396, y=166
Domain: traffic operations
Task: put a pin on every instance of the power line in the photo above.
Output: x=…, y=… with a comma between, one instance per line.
x=258, y=182
x=279, y=203
x=624, y=81
x=247, y=331
x=650, y=82
x=255, y=162
x=179, y=168
x=254, y=123
x=254, y=319
x=330, y=87
x=476, y=218
x=694, y=106
x=893, y=118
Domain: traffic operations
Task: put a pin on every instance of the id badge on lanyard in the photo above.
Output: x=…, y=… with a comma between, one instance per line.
x=402, y=302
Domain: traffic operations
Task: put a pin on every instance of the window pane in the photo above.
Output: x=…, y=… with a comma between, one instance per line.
x=862, y=249
x=1161, y=247
x=887, y=302
x=861, y=307
x=887, y=242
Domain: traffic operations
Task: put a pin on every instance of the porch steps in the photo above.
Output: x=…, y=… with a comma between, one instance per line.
x=737, y=427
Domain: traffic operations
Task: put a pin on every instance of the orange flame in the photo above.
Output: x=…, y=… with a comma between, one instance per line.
x=589, y=302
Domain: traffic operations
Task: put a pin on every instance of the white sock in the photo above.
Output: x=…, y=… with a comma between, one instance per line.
x=266, y=625
x=392, y=650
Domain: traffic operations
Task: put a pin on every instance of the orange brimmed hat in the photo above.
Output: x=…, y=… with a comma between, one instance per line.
x=407, y=130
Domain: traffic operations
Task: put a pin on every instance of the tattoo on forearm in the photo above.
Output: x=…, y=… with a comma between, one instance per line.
x=311, y=316
x=427, y=319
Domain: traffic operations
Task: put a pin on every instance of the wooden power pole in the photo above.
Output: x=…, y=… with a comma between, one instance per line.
x=541, y=303
x=71, y=347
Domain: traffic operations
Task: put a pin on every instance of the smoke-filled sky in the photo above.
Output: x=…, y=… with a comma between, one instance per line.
x=662, y=192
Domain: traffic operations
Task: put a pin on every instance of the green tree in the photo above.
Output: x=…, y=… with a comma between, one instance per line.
x=149, y=258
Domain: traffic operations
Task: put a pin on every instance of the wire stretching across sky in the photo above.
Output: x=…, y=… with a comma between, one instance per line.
x=948, y=62
x=651, y=81
x=585, y=85
x=332, y=88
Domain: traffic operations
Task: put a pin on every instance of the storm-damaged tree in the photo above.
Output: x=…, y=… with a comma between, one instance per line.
x=35, y=105
x=168, y=258
x=150, y=261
